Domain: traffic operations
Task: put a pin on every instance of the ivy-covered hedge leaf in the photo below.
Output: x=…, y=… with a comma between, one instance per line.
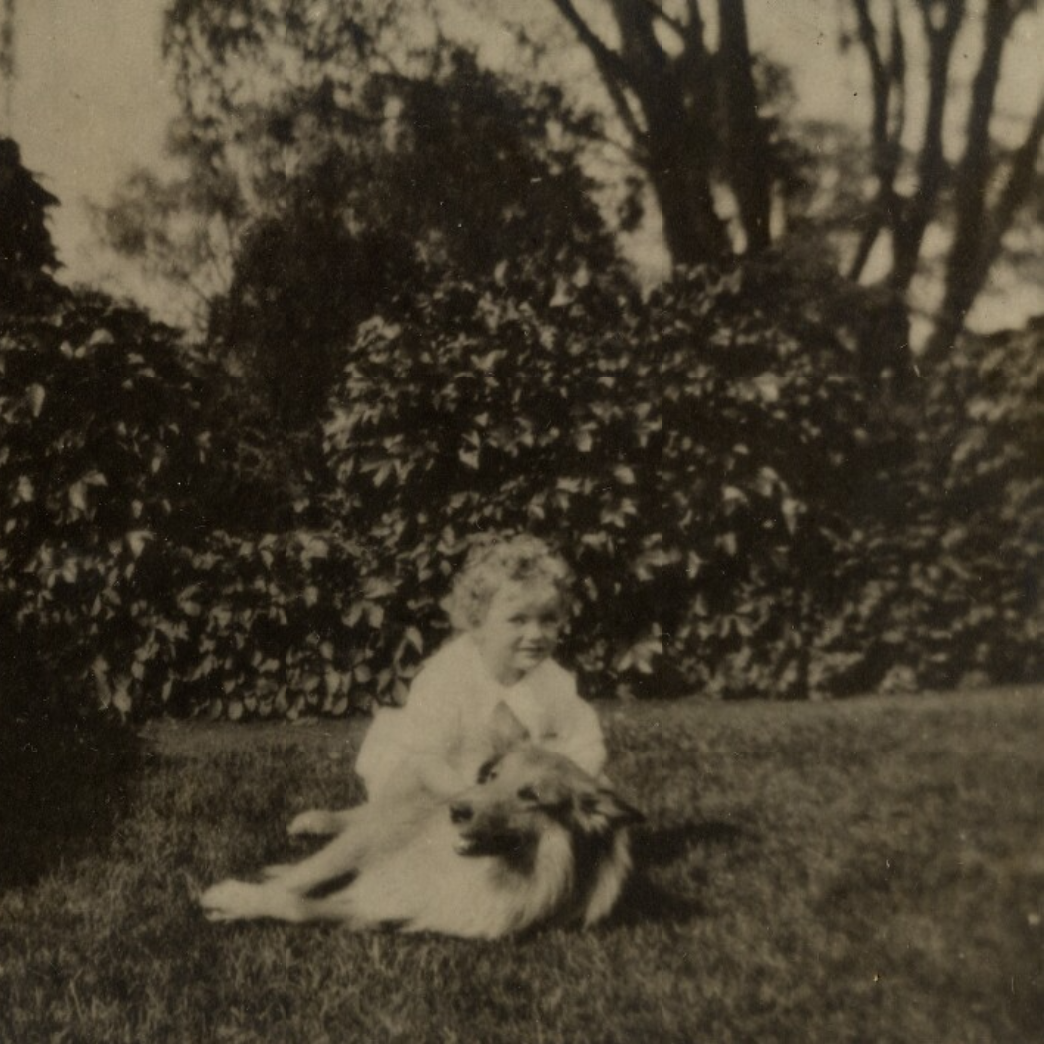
x=106, y=449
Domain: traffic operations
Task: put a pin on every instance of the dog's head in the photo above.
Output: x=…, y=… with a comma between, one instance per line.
x=522, y=791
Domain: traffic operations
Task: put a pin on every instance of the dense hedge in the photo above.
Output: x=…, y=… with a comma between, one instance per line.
x=703, y=458
x=116, y=468
x=102, y=443
x=65, y=761
x=766, y=431
x=943, y=583
x=691, y=453
x=280, y=626
x=491, y=411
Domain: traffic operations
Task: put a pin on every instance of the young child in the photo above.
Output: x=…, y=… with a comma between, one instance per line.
x=509, y=604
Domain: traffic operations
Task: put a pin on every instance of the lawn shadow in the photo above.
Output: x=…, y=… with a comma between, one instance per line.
x=663, y=845
x=645, y=900
x=60, y=801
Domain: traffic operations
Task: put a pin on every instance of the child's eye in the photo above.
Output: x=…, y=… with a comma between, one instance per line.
x=528, y=794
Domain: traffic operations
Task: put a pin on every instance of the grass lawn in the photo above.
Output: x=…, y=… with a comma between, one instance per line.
x=871, y=870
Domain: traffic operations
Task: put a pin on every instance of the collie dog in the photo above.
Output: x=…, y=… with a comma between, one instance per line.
x=536, y=840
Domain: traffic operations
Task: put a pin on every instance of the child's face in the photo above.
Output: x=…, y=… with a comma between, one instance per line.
x=520, y=630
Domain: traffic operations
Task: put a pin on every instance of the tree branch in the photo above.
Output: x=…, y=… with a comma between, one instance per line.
x=974, y=170
x=681, y=28
x=967, y=265
x=909, y=231
x=611, y=67
x=746, y=148
x=888, y=83
x=1016, y=192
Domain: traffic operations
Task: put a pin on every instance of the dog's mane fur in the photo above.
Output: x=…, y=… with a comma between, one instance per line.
x=536, y=841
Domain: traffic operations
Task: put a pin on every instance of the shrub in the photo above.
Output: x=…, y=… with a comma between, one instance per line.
x=765, y=426
x=276, y=626
x=102, y=428
x=114, y=479
x=495, y=409
x=943, y=584
x=690, y=451
x=705, y=458
x=103, y=441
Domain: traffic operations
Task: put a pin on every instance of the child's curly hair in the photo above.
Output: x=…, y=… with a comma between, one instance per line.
x=493, y=563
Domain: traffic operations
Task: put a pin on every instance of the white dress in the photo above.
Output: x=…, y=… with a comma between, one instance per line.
x=446, y=721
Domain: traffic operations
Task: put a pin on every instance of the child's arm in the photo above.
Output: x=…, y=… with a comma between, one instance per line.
x=439, y=776
x=433, y=730
x=416, y=746
x=578, y=732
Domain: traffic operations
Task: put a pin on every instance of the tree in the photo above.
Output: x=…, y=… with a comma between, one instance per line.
x=185, y=230
x=7, y=54
x=692, y=120
x=27, y=255
x=979, y=222
x=325, y=197
x=238, y=70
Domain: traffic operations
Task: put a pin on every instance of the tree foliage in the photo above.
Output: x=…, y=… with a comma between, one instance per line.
x=27, y=255
x=373, y=208
x=958, y=192
x=701, y=118
x=706, y=458
x=64, y=760
x=316, y=145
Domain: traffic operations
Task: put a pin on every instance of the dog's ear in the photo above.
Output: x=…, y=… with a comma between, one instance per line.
x=605, y=810
x=506, y=731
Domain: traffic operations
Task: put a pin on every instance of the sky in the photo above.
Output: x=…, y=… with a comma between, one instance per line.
x=92, y=101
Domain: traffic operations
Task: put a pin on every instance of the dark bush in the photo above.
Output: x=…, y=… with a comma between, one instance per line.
x=116, y=472
x=103, y=447
x=65, y=763
x=491, y=409
x=943, y=584
x=277, y=626
x=742, y=521
x=102, y=429
x=766, y=431
x=690, y=454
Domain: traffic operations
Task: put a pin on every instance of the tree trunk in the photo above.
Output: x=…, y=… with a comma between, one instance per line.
x=916, y=214
x=745, y=146
x=678, y=141
x=964, y=269
x=962, y=291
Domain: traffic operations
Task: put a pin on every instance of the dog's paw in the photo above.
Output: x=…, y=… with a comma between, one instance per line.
x=315, y=822
x=227, y=901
